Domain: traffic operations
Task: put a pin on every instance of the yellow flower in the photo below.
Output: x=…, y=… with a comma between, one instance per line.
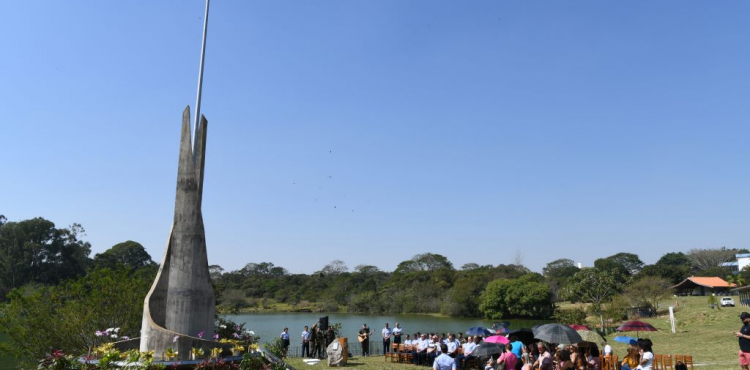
x=148, y=355
x=197, y=351
x=215, y=352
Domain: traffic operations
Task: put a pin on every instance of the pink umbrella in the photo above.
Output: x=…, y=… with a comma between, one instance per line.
x=579, y=327
x=497, y=339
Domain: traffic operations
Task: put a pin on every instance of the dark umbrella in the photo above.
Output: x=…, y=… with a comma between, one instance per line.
x=557, y=333
x=478, y=330
x=485, y=349
x=636, y=326
x=525, y=335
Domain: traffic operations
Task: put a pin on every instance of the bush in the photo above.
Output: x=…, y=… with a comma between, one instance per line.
x=67, y=317
x=572, y=316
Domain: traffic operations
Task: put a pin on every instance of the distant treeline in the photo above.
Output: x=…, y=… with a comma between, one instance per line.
x=34, y=252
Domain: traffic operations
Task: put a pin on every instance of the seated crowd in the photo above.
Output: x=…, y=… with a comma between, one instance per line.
x=425, y=348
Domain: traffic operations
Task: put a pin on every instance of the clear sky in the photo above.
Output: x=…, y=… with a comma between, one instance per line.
x=371, y=131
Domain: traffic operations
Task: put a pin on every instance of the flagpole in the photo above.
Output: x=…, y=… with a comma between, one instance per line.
x=200, y=76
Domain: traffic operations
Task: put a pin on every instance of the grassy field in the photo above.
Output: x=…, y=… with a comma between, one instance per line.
x=706, y=334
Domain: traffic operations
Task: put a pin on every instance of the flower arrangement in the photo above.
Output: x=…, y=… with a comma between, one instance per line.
x=196, y=353
x=215, y=352
x=170, y=354
x=147, y=357
x=237, y=349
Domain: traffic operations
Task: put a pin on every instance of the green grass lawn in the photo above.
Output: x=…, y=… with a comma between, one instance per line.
x=706, y=334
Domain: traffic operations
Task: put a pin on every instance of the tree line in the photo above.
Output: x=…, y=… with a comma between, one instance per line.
x=35, y=253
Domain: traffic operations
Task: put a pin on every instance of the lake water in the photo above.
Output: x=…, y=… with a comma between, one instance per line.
x=270, y=325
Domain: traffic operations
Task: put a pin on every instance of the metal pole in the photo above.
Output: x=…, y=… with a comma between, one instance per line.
x=200, y=76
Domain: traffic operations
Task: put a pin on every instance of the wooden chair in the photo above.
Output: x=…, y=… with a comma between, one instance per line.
x=393, y=354
x=685, y=359
x=615, y=362
x=404, y=354
x=666, y=360
x=657, y=363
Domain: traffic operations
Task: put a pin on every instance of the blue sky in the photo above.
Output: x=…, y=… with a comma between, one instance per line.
x=371, y=131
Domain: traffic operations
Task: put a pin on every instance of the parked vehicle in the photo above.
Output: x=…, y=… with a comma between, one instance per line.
x=727, y=302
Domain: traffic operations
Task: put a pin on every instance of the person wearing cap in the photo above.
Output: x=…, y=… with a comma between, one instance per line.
x=744, y=339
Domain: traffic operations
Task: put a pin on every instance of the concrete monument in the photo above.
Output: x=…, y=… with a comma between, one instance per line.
x=181, y=304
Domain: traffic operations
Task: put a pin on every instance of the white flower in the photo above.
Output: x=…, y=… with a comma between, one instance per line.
x=99, y=333
x=113, y=336
x=125, y=337
x=110, y=329
x=117, y=330
x=251, y=332
x=223, y=326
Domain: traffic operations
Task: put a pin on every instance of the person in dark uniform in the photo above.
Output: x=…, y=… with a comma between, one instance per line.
x=364, y=339
x=330, y=336
x=320, y=343
x=744, y=337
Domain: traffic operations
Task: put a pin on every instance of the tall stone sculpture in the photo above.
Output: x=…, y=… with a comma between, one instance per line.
x=181, y=301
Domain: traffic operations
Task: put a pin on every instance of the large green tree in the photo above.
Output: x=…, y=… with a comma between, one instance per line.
x=526, y=296
x=591, y=285
x=35, y=250
x=648, y=291
x=129, y=254
x=424, y=262
x=673, y=266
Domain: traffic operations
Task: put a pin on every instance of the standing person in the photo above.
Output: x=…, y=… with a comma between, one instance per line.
x=508, y=358
x=330, y=336
x=364, y=339
x=285, y=341
x=444, y=362
x=397, y=331
x=305, y=342
x=386, y=333
x=647, y=354
x=607, y=349
x=744, y=339
x=314, y=341
x=320, y=342
x=544, y=362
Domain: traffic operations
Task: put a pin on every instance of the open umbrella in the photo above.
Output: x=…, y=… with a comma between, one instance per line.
x=577, y=327
x=485, y=349
x=525, y=335
x=557, y=333
x=478, y=330
x=502, y=330
x=499, y=339
x=636, y=326
x=591, y=336
x=626, y=340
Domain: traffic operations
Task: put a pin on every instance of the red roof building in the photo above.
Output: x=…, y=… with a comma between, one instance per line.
x=695, y=285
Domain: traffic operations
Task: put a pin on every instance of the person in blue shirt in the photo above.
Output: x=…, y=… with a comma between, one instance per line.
x=444, y=362
x=517, y=350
